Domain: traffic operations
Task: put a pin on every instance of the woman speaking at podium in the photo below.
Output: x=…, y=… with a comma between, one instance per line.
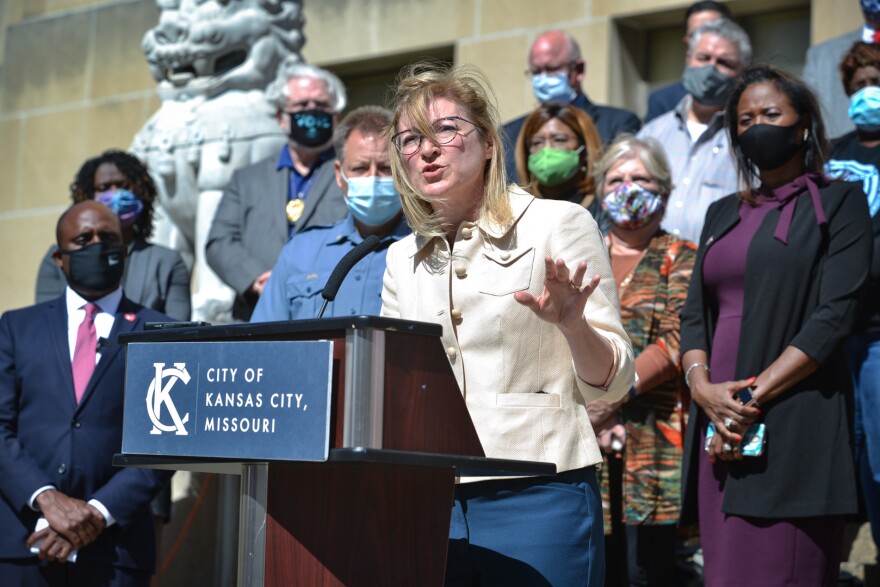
x=524, y=292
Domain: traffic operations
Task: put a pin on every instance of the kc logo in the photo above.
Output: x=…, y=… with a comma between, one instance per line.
x=160, y=394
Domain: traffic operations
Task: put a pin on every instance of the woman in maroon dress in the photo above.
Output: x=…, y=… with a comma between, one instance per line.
x=774, y=292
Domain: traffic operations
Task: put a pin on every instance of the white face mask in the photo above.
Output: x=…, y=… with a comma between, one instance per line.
x=373, y=200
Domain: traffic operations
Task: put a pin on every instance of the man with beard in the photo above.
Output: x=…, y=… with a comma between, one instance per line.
x=270, y=201
x=61, y=403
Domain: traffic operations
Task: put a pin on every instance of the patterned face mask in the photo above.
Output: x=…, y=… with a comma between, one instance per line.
x=631, y=206
x=124, y=204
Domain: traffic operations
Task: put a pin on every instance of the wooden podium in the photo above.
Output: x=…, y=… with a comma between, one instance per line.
x=377, y=512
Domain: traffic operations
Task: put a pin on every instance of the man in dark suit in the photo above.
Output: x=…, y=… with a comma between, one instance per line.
x=666, y=98
x=271, y=200
x=557, y=70
x=61, y=401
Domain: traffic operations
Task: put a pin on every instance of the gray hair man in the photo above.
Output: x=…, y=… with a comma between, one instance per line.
x=693, y=132
x=269, y=201
x=697, y=14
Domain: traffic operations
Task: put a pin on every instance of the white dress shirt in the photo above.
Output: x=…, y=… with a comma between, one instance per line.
x=104, y=319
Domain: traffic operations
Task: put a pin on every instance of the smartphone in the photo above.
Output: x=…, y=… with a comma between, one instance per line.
x=753, y=441
x=745, y=396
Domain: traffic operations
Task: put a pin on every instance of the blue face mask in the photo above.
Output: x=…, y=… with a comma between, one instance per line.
x=373, y=200
x=553, y=87
x=864, y=108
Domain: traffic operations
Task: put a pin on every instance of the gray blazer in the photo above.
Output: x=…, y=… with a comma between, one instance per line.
x=822, y=74
x=250, y=226
x=155, y=277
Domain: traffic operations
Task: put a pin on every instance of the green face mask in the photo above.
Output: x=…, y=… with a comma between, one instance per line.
x=554, y=166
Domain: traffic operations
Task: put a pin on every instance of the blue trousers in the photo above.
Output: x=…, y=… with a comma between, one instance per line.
x=534, y=531
x=863, y=353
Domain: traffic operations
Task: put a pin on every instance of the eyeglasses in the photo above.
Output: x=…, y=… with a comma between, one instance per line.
x=549, y=69
x=443, y=130
x=557, y=141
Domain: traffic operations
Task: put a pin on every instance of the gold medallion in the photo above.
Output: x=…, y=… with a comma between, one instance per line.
x=294, y=210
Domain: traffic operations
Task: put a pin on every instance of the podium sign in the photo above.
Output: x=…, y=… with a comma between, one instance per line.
x=247, y=400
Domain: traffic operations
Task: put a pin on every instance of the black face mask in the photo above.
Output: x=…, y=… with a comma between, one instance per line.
x=311, y=128
x=769, y=146
x=96, y=267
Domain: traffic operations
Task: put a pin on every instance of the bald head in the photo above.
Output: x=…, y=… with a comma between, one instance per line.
x=70, y=219
x=556, y=45
x=555, y=52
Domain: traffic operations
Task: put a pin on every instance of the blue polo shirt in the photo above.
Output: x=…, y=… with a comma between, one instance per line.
x=299, y=185
x=293, y=292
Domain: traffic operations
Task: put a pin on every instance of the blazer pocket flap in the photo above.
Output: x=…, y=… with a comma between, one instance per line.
x=527, y=400
x=509, y=258
x=506, y=272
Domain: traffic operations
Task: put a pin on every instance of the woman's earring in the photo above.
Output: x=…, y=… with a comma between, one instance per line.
x=806, y=134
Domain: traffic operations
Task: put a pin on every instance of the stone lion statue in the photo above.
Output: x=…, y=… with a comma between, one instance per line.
x=212, y=60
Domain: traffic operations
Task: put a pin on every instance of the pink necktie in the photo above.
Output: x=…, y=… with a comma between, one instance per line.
x=84, y=354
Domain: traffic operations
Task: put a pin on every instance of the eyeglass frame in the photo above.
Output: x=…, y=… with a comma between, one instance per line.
x=436, y=140
x=568, y=65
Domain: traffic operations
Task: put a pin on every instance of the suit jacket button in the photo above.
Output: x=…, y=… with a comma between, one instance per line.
x=467, y=233
x=505, y=255
x=77, y=424
x=460, y=270
x=451, y=352
x=455, y=313
x=62, y=469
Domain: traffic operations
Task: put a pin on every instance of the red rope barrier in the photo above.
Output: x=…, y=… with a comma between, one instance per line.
x=187, y=523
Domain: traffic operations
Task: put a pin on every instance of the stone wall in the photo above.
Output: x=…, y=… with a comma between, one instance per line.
x=73, y=81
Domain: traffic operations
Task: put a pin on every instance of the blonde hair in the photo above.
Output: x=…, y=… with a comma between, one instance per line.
x=418, y=86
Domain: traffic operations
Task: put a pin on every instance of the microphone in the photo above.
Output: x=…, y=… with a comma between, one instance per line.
x=351, y=258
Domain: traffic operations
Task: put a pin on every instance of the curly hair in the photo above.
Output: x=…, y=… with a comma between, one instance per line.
x=860, y=55
x=142, y=185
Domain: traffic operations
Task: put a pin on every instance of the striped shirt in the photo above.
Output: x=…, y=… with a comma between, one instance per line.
x=702, y=172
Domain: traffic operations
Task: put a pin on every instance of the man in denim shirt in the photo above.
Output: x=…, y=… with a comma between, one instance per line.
x=363, y=172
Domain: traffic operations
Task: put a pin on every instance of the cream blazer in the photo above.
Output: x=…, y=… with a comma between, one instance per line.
x=514, y=370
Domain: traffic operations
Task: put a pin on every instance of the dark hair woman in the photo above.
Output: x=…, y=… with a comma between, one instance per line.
x=155, y=277
x=774, y=293
x=555, y=154
x=856, y=157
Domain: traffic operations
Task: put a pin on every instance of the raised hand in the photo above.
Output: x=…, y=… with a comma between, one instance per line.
x=564, y=297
